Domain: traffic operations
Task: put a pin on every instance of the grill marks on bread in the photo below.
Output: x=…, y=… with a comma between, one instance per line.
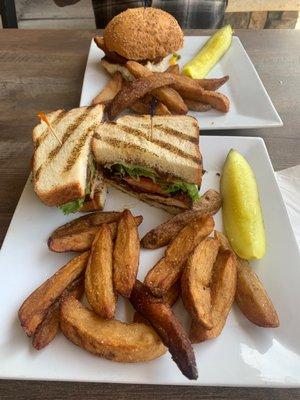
x=68, y=132
x=59, y=171
x=75, y=153
x=164, y=144
x=54, y=122
x=168, y=145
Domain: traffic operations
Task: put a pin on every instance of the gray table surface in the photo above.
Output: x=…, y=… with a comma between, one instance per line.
x=43, y=70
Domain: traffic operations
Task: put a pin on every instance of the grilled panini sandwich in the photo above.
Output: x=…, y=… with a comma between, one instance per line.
x=155, y=159
x=64, y=172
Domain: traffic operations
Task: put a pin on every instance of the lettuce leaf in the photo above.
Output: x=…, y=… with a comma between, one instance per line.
x=189, y=188
x=134, y=171
x=72, y=206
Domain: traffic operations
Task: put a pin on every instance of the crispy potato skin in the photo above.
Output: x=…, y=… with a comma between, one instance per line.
x=111, y=339
x=212, y=84
x=49, y=327
x=79, y=235
x=99, y=287
x=194, y=105
x=170, y=298
x=135, y=90
x=168, y=96
x=168, y=269
x=165, y=323
x=36, y=306
x=160, y=236
x=251, y=296
x=196, y=281
x=126, y=254
x=223, y=289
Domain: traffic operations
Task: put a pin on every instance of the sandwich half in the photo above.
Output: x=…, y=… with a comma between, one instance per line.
x=64, y=173
x=155, y=159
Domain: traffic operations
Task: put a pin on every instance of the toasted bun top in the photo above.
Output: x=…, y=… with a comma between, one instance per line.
x=143, y=34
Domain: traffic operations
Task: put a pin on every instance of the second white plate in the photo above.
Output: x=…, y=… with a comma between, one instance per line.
x=251, y=106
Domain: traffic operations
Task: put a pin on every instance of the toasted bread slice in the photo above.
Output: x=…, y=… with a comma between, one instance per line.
x=60, y=170
x=167, y=144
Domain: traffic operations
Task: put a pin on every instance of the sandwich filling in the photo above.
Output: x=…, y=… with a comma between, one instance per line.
x=146, y=180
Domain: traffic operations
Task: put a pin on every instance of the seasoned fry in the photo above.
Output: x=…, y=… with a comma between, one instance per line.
x=36, y=306
x=111, y=339
x=172, y=295
x=223, y=289
x=170, y=298
x=173, y=69
x=143, y=106
x=99, y=288
x=251, y=296
x=196, y=281
x=110, y=90
x=212, y=84
x=160, y=236
x=135, y=90
x=165, y=323
x=126, y=254
x=48, y=328
x=168, y=269
x=87, y=221
x=80, y=236
x=194, y=105
x=166, y=95
x=217, y=100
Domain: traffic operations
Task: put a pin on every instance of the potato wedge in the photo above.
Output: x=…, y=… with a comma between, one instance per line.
x=170, y=298
x=172, y=295
x=143, y=106
x=111, y=339
x=160, y=236
x=212, y=84
x=99, y=287
x=196, y=280
x=217, y=100
x=168, y=269
x=194, y=105
x=80, y=236
x=223, y=287
x=168, y=96
x=110, y=90
x=36, y=306
x=135, y=90
x=49, y=327
x=167, y=326
x=251, y=296
x=87, y=221
x=126, y=255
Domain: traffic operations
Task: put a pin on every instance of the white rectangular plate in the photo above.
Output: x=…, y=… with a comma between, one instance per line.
x=244, y=355
x=251, y=106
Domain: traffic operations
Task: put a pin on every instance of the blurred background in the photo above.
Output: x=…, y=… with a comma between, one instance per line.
x=45, y=14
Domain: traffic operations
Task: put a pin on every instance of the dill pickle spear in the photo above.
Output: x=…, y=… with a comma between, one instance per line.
x=242, y=214
x=210, y=54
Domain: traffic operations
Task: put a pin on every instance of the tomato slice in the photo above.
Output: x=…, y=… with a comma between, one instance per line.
x=145, y=185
